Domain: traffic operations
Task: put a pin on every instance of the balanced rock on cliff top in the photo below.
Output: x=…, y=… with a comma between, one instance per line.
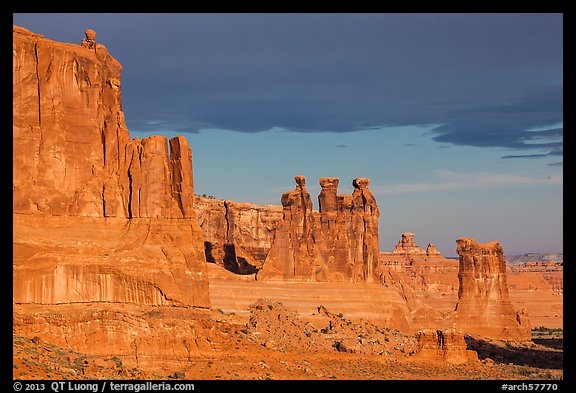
x=406, y=245
x=484, y=306
x=431, y=250
x=443, y=345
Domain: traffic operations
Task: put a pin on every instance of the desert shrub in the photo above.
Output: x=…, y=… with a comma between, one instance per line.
x=118, y=361
x=177, y=375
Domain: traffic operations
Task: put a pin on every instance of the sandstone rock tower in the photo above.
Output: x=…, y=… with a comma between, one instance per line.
x=349, y=228
x=295, y=253
x=447, y=345
x=484, y=306
x=97, y=216
x=339, y=243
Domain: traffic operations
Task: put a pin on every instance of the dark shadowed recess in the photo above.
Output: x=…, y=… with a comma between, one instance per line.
x=529, y=355
x=232, y=262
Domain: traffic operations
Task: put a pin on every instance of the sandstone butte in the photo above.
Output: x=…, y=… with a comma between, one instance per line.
x=100, y=218
x=338, y=243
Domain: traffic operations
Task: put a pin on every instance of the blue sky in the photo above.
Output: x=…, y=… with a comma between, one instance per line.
x=457, y=119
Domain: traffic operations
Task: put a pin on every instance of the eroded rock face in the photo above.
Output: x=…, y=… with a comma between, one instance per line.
x=484, y=306
x=447, y=345
x=349, y=231
x=295, y=252
x=141, y=336
x=422, y=270
x=237, y=236
x=77, y=171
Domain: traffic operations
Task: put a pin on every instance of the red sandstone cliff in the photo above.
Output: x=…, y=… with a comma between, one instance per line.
x=295, y=252
x=97, y=216
x=446, y=345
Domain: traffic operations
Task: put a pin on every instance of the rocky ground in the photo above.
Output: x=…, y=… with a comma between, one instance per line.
x=273, y=342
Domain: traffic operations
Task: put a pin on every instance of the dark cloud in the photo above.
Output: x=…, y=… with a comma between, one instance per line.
x=542, y=155
x=481, y=79
x=509, y=124
x=341, y=146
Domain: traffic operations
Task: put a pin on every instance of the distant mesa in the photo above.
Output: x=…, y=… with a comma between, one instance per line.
x=431, y=250
x=443, y=345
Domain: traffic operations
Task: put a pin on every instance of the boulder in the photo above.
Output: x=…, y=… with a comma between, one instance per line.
x=97, y=216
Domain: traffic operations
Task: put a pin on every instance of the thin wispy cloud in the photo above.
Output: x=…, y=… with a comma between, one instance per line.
x=540, y=155
x=449, y=180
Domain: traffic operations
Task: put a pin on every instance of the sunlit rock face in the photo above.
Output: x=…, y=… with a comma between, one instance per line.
x=97, y=216
x=484, y=306
x=338, y=243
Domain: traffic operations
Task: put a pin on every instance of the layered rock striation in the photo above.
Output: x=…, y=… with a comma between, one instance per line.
x=349, y=230
x=484, y=307
x=443, y=345
x=76, y=171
